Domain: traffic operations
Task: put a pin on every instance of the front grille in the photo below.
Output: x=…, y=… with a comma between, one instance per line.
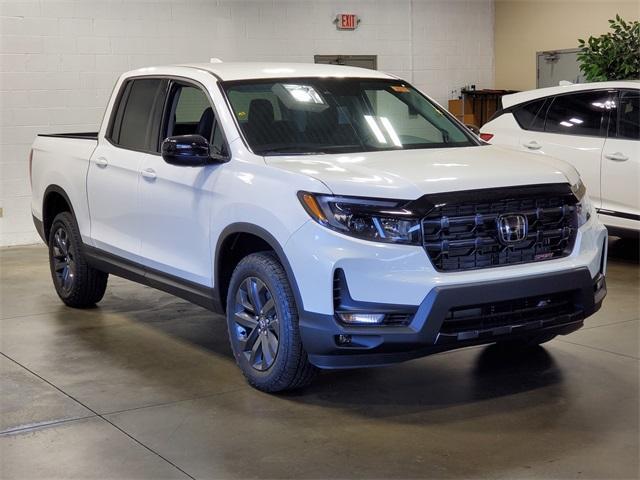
x=496, y=318
x=461, y=232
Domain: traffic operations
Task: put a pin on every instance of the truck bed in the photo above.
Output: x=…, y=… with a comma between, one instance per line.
x=78, y=135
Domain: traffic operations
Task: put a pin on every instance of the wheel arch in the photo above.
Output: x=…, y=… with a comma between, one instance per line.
x=55, y=200
x=229, y=240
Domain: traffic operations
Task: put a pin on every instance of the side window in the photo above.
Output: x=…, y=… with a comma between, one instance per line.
x=530, y=116
x=190, y=113
x=579, y=113
x=134, y=124
x=628, y=119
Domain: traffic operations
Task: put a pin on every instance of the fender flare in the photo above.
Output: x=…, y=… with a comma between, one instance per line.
x=252, y=229
x=60, y=191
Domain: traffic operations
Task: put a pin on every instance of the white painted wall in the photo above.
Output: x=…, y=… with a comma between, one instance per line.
x=59, y=59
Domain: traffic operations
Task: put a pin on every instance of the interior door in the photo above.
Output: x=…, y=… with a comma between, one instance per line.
x=176, y=200
x=574, y=131
x=621, y=163
x=114, y=170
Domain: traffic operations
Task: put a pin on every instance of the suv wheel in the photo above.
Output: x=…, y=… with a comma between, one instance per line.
x=77, y=284
x=263, y=326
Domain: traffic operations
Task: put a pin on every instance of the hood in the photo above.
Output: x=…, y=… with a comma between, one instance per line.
x=409, y=174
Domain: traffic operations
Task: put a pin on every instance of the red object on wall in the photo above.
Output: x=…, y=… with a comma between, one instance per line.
x=346, y=21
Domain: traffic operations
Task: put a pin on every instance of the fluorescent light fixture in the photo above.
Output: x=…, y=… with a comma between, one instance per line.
x=391, y=131
x=375, y=129
x=304, y=93
x=566, y=124
x=577, y=121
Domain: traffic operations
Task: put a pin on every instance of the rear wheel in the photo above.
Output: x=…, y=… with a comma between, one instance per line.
x=263, y=326
x=77, y=284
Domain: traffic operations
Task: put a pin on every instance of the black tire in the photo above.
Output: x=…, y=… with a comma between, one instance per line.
x=77, y=284
x=529, y=341
x=261, y=313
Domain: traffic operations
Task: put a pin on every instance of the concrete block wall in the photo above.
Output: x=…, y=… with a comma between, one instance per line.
x=59, y=59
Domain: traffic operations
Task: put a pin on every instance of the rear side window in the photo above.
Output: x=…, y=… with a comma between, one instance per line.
x=530, y=116
x=579, y=113
x=135, y=123
x=628, y=119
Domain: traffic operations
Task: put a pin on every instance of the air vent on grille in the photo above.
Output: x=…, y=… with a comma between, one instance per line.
x=463, y=323
x=462, y=233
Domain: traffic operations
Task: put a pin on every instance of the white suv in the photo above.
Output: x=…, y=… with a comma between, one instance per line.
x=593, y=126
x=336, y=215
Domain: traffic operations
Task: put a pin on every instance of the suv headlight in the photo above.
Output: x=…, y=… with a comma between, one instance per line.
x=584, y=204
x=369, y=219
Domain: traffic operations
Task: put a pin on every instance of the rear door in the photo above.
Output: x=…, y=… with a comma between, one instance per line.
x=114, y=170
x=176, y=200
x=574, y=131
x=621, y=163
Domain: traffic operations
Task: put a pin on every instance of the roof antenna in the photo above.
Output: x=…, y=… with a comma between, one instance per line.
x=215, y=60
x=562, y=83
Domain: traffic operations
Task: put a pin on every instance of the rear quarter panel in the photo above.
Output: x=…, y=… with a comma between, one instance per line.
x=505, y=130
x=63, y=163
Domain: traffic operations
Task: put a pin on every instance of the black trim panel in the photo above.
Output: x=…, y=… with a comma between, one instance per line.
x=39, y=227
x=372, y=346
x=241, y=227
x=121, y=267
x=78, y=135
x=59, y=190
x=613, y=213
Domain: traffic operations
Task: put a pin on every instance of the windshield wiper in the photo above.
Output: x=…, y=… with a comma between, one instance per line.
x=288, y=151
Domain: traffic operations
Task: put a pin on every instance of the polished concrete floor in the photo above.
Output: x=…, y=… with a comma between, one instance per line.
x=144, y=386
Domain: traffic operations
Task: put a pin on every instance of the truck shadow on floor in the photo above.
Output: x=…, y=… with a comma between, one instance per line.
x=625, y=250
x=195, y=336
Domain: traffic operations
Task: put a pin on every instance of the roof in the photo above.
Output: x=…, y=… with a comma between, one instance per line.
x=254, y=70
x=521, y=97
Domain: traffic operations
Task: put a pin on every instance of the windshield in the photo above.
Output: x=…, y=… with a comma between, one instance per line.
x=339, y=115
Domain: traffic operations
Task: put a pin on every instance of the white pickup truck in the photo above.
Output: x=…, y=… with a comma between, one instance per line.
x=337, y=216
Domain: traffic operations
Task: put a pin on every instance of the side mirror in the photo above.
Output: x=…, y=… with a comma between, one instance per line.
x=473, y=128
x=188, y=151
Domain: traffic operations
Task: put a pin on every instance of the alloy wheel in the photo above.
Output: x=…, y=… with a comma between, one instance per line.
x=63, y=260
x=256, y=324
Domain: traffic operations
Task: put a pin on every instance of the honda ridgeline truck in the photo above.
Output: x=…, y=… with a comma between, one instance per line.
x=337, y=216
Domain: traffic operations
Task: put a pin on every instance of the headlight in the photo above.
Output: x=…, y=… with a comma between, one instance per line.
x=584, y=204
x=368, y=219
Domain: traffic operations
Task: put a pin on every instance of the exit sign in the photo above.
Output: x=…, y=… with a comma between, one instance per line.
x=346, y=21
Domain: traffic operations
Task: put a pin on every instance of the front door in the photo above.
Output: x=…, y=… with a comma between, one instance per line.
x=177, y=200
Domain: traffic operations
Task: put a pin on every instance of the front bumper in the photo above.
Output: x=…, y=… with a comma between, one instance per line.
x=400, y=275
x=323, y=335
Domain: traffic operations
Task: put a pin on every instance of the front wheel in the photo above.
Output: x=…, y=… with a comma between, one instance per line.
x=263, y=326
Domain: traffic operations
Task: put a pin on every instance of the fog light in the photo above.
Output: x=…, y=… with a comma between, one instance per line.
x=362, y=318
x=344, y=339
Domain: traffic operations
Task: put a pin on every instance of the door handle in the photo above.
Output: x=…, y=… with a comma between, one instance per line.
x=532, y=145
x=101, y=162
x=618, y=156
x=149, y=173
